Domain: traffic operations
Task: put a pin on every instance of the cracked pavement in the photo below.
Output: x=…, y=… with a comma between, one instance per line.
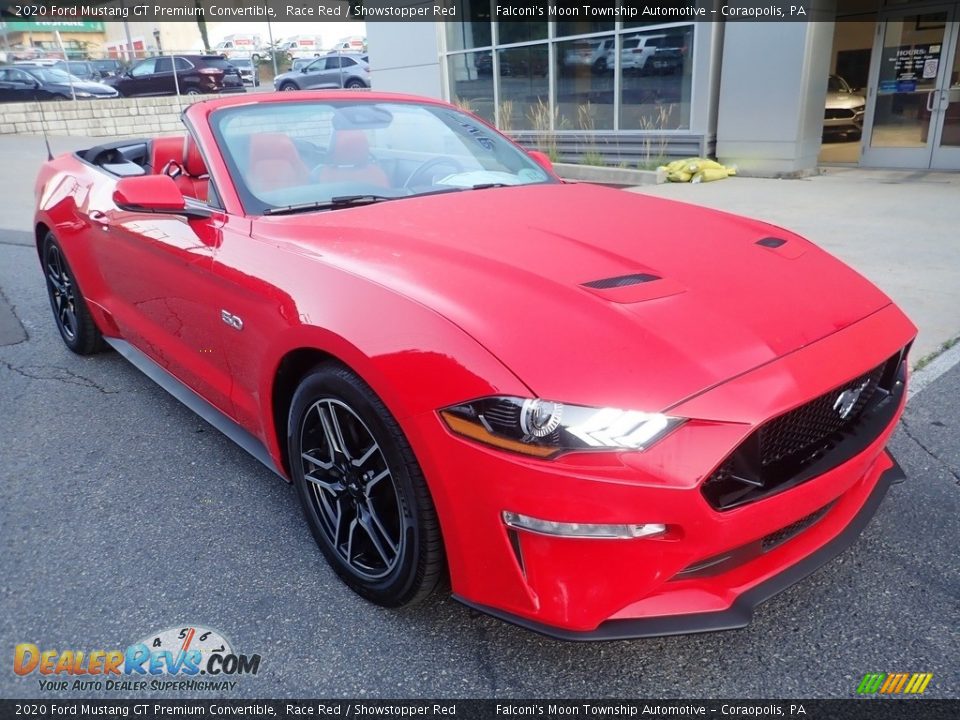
x=123, y=513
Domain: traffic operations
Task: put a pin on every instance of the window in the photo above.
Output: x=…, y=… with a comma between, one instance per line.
x=347, y=62
x=333, y=63
x=471, y=82
x=584, y=84
x=656, y=79
x=524, y=87
x=474, y=30
x=143, y=68
x=164, y=65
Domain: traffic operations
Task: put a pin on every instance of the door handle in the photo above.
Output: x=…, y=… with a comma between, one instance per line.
x=100, y=218
x=929, y=101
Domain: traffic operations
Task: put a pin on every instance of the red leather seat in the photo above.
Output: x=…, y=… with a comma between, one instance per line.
x=275, y=163
x=162, y=151
x=194, y=180
x=350, y=161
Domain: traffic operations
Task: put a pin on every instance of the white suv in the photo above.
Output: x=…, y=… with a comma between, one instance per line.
x=638, y=50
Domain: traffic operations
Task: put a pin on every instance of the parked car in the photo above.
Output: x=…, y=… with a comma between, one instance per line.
x=330, y=71
x=639, y=51
x=108, y=67
x=22, y=83
x=514, y=62
x=844, y=109
x=249, y=70
x=83, y=69
x=196, y=75
x=469, y=369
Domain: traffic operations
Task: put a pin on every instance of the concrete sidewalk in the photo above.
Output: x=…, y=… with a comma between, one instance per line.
x=899, y=228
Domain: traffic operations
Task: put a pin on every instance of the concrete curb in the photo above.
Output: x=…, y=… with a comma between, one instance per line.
x=937, y=367
x=621, y=177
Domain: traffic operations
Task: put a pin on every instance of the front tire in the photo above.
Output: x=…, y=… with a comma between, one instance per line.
x=288, y=87
x=76, y=326
x=362, y=491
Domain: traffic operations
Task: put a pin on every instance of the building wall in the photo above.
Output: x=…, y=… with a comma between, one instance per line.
x=405, y=57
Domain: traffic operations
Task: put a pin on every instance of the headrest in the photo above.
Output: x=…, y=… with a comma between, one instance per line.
x=350, y=147
x=193, y=164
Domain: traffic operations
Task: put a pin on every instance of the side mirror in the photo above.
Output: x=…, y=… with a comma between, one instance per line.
x=542, y=159
x=154, y=194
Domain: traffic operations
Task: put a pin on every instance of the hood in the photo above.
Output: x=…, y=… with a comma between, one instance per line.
x=844, y=101
x=592, y=295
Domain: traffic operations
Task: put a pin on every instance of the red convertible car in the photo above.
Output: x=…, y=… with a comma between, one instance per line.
x=600, y=414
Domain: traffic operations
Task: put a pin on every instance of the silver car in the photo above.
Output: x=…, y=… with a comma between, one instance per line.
x=343, y=70
x=844, y=108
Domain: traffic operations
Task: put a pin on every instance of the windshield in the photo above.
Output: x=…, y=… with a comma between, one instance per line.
x=837, y=84
x=53, y=75
x=315, y=152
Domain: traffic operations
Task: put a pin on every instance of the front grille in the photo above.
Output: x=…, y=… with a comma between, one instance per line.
x=752, y=550
x=809, y=440
x=838, y=114
x=807, y=426
x=779, y=537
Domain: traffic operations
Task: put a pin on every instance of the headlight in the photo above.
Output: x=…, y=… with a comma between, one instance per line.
x=544, y=428
x=78, y=93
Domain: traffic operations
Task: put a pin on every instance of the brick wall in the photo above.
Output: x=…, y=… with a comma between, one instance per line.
x=96, y=118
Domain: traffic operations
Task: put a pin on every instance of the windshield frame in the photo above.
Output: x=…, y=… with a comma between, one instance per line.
x=255, y=207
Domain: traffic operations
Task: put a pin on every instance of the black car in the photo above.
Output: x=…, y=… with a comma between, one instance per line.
x=196, y=75
x=83, y=69
x=24, y=83
x=108, y=67
x=249, y=70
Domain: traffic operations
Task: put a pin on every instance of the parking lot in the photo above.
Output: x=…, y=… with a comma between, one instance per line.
x=124, y=514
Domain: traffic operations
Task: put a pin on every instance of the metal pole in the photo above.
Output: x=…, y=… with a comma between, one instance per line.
x=273, y=49
x=176, y=81
x=66, y=61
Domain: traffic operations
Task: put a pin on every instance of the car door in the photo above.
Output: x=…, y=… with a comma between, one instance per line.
x=315, y=75
x=25, y=87
x=139, y=78
x=157, y=271
x=162, y=81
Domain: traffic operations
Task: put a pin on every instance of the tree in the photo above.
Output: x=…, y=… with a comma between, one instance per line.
x=202, y=25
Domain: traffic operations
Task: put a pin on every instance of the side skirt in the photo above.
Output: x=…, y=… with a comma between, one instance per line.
x=197, y=404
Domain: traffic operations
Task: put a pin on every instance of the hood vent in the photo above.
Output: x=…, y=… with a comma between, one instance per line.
x=771, y=242
x=621, y=281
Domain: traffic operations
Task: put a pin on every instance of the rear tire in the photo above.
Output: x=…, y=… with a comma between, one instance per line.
x=77, y=329
x=362, y=491
x=354, y=84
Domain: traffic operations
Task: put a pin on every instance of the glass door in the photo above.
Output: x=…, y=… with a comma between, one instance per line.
x=909, y=72
x=946, y=136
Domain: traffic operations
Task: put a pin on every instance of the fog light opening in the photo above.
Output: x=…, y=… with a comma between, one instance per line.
x=583, y=530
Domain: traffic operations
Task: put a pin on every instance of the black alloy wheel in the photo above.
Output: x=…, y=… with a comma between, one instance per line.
x=76, y=326
x=362, y=491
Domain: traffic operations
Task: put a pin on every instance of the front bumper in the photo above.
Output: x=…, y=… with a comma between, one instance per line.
x=601, y=588
x=737, y=615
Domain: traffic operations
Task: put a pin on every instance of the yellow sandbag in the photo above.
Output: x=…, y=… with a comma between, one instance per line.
x=710, y=174
x=704, y=164
x=673, y=166
x=679, y=176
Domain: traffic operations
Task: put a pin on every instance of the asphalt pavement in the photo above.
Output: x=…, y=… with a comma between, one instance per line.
x=123, y=514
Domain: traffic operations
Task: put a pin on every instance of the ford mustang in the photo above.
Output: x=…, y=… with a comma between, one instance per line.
x=594, y=413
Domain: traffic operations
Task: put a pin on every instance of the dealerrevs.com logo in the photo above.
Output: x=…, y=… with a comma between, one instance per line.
x=183, y=658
